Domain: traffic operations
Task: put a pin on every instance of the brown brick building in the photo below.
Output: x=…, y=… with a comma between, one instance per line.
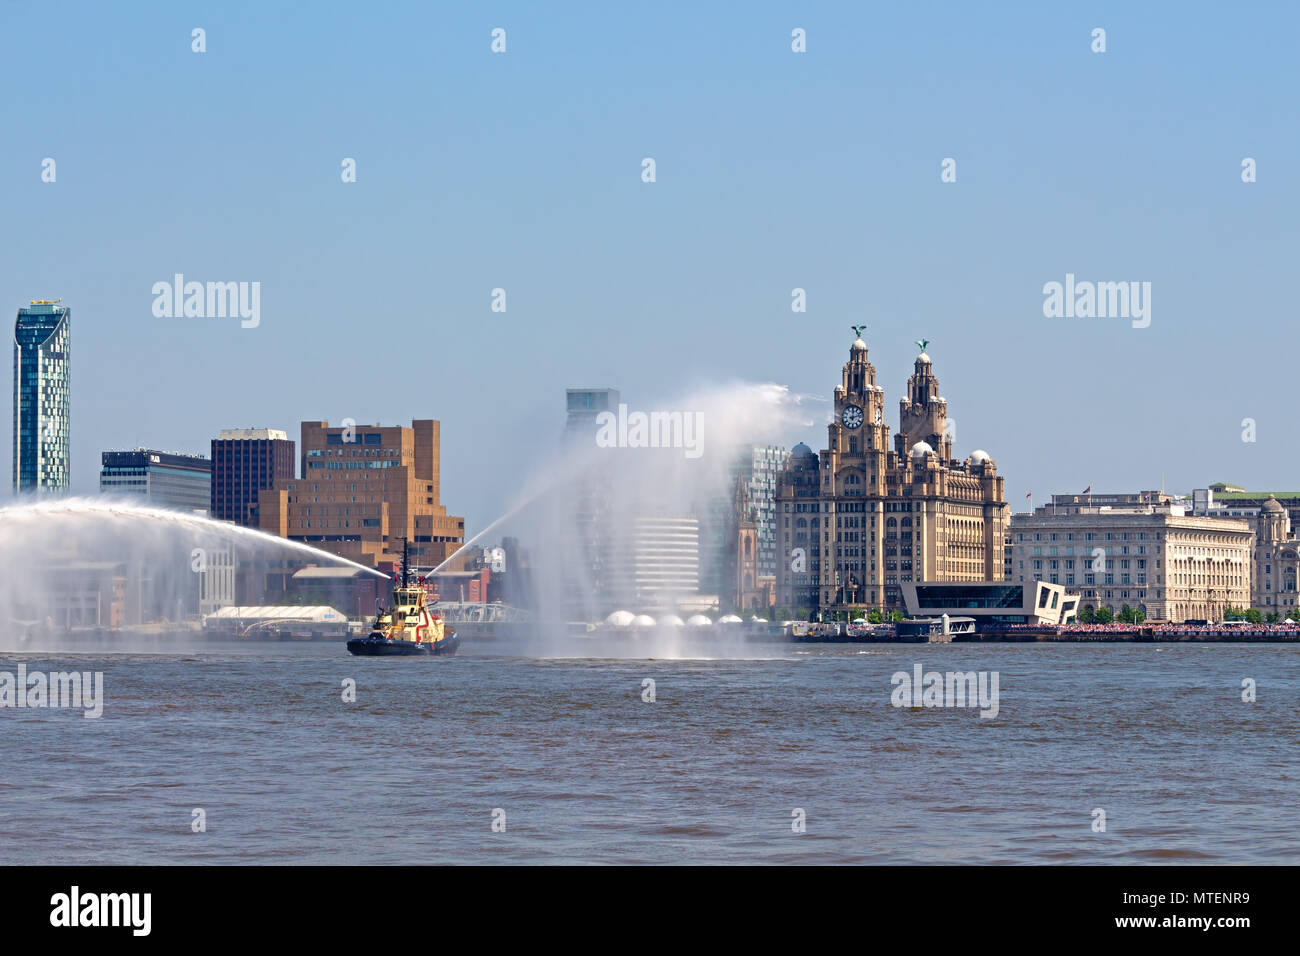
x=361, y=490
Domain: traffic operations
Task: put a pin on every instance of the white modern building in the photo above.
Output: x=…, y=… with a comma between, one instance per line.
x=992, y=603
x=655, y=562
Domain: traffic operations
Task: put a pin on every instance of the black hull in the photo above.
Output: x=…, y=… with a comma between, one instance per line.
x=375, y=646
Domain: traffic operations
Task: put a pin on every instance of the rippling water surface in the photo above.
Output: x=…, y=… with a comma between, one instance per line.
x=258, y=736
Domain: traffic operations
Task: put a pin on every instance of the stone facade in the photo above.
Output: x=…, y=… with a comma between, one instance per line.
x=862, y=518
x=1155, y=559
x=1277, y=560
x=743, y=558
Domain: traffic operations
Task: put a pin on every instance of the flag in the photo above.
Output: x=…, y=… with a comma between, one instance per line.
x=1086, y=491
x=1030, y=495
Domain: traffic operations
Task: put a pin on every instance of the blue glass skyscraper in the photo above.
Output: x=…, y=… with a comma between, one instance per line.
x=42, y=358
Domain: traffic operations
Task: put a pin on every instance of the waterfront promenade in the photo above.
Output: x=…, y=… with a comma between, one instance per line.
x=1149, y=633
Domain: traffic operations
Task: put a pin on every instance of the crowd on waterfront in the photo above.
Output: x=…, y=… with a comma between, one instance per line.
x=1219, y=628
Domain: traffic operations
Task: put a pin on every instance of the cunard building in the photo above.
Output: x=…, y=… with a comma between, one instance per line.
x=869, y=513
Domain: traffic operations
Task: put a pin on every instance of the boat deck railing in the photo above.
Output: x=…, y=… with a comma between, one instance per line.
x=456, y=612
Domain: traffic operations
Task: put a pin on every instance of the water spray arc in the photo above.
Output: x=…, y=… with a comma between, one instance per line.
x=18, y=518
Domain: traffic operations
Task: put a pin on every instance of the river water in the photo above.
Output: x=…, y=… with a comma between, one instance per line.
x=721, y=766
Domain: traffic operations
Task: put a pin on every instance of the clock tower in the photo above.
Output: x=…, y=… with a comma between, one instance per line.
x=854, y=480
x=859, y=426
x=923, y=415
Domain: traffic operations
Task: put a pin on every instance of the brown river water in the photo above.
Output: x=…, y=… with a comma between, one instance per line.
x=573, y=765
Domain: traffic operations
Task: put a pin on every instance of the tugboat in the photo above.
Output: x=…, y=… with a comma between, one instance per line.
x=411, y=627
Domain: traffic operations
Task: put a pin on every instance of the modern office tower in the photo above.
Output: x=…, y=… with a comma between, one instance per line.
x=862, y=519
x=166, y=479
x=246, y=461
x=759, y=466
x=163, y=479
x=654, y=562
x=365, y=488
x=588, y=499
x=582, y=405
x=42, y=360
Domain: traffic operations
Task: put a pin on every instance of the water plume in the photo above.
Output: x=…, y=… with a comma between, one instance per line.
x=577, y=511
x=29, y=520
x=75, y=563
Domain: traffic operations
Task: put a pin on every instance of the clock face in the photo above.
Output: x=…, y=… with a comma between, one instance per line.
x=852, y=417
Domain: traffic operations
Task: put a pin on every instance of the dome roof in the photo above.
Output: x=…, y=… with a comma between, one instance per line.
x=979, y=456
x=921, y=449
x=643, y=620
x=801, y=451
x=923, y=359
x=620, y=619
x=859, y=344
x=671, y=620
x=730, y=619
x=1272, y=506
x=698, y=620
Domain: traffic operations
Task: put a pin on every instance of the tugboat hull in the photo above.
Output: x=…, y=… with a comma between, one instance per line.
x=376, y=645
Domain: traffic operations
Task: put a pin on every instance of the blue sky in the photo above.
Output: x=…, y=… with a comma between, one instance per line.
x=775, y=170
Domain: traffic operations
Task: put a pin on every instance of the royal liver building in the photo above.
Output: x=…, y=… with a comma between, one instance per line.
x=863, y=517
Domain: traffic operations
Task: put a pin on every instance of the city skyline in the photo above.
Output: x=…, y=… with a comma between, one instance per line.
x=791, y=435
x=819, y=171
